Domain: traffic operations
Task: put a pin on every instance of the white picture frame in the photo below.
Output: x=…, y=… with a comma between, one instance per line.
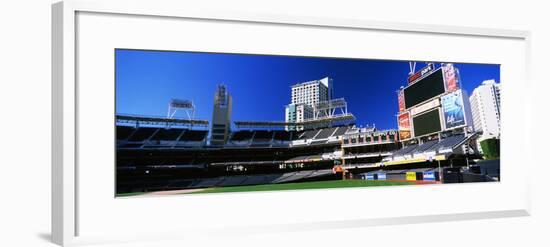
x=66, y=214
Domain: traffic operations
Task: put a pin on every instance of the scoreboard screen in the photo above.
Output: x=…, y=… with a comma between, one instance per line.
x=424, y=89
x=427, y=123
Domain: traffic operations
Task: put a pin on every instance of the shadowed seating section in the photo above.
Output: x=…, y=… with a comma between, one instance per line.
x=142, y=134
x=167, y=134
x=123, y=132
x=309, y=134
x=263, y=136
x=194, y=136
x=236, y=180
x=282, y=135
x=325, y=133
x=340, y=131
x=405, y=150
x=244, y=135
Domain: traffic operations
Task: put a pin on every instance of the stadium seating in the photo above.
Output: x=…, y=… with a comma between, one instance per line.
x=243, y=135
x=450, y=142
x=318, y=136
x=223, y=181
x=442, y=146
x=256, y=179
x=130, y=145
x=260, y=145
x=123, y=132
x=263, y=136
x=326, y=133
x=167, y=134
x=194, y=136
x=158, y=137
x=406, y=150
x=299, y=175
x=297, y=135
x=309, y=134
x=211, y=182
x=282, y=135
x=160, y=158
x=142, y=134
x=341, y=131
x=232, y=180
x=425, y=146
x=179, y=184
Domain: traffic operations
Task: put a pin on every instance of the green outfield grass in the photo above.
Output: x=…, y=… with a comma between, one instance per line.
x=304, y=185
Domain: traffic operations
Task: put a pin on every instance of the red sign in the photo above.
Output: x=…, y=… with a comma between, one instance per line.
x=404, y=126
x=404, y=121
x=451, y=78
x=401, y=100
x=416, y=76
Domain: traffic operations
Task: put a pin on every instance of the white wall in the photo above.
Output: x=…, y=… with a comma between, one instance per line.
x=25, y=105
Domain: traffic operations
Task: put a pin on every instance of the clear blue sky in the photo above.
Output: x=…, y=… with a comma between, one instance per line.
x=260, y=84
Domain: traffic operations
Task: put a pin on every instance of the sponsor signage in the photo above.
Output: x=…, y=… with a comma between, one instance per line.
x=453, y=110
x=381, y=176
x=370, y=176
x=404, y=125
x=424, y=107
x=421, y=73
x=450, y=74
x=411, y=176
x=430, y=176
x=401, y=100
x=384, y=133
x=183, y=104
x=405, y=134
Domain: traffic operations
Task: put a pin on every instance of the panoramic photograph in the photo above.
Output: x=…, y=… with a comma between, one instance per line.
x=195, y=122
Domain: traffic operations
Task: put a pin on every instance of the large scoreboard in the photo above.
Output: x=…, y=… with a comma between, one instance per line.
x=424, y=89
x=427, y=123
x=432, y=102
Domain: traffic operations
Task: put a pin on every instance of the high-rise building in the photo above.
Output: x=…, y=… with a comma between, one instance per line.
x=485, y=104
x=221, y=117
x=312, y=92
x=304, y=96
x=296, y=113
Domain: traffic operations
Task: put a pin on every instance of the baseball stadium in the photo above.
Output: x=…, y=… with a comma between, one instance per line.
x=439, y=136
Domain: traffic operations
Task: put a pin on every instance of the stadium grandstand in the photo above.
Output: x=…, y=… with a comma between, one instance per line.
x=156, y=153
x=174, y=154
x=166, y=155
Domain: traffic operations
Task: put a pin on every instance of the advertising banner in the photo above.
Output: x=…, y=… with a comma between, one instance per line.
x=421, y=73
x=411, y=176
x=405, y=134
x=401, y=100
x=453, y=110
x=404, y=125
x=429, y=176
x=425, y=107
x=451, y=77
x=381, y=176
x=370, y=176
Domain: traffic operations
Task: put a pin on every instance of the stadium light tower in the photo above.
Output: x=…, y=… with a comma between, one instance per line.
x=329, y=108
x=178, y=104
